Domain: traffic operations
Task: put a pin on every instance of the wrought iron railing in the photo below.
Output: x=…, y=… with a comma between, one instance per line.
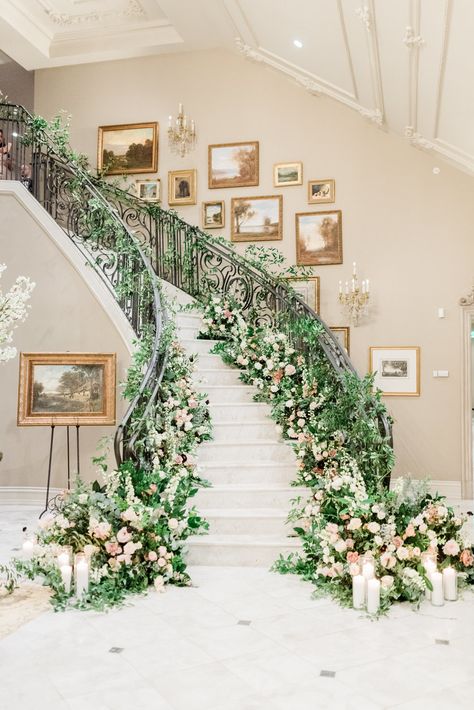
x=67, y=193
x=196, y=262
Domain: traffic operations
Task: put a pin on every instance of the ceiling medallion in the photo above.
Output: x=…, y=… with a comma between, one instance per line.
x=133, y=9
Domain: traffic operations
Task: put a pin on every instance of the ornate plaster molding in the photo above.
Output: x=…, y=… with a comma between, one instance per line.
x=469, y=299
x=412, y=40
x=310, y=85
x=365, y=16
x=417, y=140
x=248, y=51
x=132, y=9
x=374, y=115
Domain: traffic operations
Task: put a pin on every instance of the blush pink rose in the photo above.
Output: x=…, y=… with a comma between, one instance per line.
x=152, y=556
x=451, y=548
x=466, y=558
x=113, y=548
x=123, y=535
x=397, y=541
x=352, y=556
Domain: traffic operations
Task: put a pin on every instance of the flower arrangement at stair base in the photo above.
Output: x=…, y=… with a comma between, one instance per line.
x=133, y=527
x=349, y=517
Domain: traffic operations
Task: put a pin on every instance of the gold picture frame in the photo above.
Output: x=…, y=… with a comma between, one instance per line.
x=287, y=174
x=148, y=190
x=233, y=164
x=67, y=389
x=321, y=191
x=213, y=215
x=263, y=207
x=397, y=369
x=311, y=293
x=345, y=332
x=182, y=187
x=319, y=238
x=114, y=148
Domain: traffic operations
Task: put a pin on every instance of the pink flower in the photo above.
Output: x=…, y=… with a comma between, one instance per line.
x=466, y=558
x=102, y=531
x=387, y=581
x=161, y=562
x=410, y=531
x=124, y=558
x=112, y=548
x=290, y=370
x=397, y=541
x=192, y=403
x=354, y=524
x=387, y=560
x=332, y=528
x=403, y=553
x=129, y=515
x=123, y=535
x=153, y=488
x=178, y=459
x=131, y=547
x=451, y=548
x=352, y=556
x=152, y=556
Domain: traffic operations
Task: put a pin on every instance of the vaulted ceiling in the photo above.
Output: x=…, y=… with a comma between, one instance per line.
x=404, y=65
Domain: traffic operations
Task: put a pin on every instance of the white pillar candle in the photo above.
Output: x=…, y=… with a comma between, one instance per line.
x=358, y=591
x=66, y=575
x=450, y=584
x=368, y=571
x=437, y=596
x=27, y=548
x=340, y=286
x=430, y=567
x=82, y=577
x=353, y=268
x=373, y=596
x=180, y=109
x=170, y=118
x=63, y=559
x=367, y=285
x=347, y=287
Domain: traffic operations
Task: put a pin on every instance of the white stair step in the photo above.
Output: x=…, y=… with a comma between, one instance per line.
x=197, y=345
x=239, y=550
x=188, y=320
x=252, y=521
x=239, y=412
x=246, y=452
x=272, y=473
x=220, y=377
x=240, y=431
x=220, y=394
x=188, y=331
x=247, y=495
x=209, y=361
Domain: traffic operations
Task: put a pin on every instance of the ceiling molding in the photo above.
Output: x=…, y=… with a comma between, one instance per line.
x=133, y=9
x=448, y=10
x=366, y=15
x=414, y=42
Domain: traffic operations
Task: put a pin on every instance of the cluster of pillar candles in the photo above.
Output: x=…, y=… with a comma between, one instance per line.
x=64, y=559
x=366, y=588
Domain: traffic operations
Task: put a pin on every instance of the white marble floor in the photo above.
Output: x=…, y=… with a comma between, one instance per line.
x=240, y=639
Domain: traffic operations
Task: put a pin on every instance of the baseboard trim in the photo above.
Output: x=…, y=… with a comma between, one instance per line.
x=449, y=489
x=25, y=495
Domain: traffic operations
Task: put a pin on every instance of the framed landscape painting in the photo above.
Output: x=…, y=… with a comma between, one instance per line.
x=319, y=238
x=66, y=389
x=213, y=215
x=397, y=370
x=320, y=191
x=233, y=164
x=182, y=187
x=286, y=174
x=148, y=190
x=307, y=287
x=128, y=148
x=342, y=334
x=256, y=219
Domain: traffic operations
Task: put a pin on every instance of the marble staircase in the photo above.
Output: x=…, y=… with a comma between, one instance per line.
x=249, y=466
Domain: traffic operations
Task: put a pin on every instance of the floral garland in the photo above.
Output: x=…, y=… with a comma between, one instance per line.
x=349, y=516
x=133, y=528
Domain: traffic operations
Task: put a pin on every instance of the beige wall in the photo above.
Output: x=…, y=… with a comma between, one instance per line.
x=409, y=229
x=64, y=316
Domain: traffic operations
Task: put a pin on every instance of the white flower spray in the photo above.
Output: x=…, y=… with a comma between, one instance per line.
x=13, y=311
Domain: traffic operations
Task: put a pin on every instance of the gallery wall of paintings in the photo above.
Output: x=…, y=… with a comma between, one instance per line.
x=393, y=214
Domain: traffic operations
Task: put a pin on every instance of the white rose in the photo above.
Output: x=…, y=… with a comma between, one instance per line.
x=373, y=527
x=173, y=524
x=340, y=546
x=354, y=524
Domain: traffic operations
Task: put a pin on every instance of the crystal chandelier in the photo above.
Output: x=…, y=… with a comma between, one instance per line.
x=355, y=298
x=181, y=133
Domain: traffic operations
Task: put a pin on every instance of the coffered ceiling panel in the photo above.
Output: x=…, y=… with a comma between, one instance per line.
x=405, y=65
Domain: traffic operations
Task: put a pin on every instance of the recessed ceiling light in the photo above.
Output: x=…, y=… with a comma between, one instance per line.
x=298, y=43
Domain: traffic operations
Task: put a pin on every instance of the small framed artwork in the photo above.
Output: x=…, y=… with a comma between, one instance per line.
x=319, y=238
x=307, y=287
x=182, y=187
x=233, y=164
x=128, y=148
x=343, y=335
x=66, y=389
x=397, y=370
x=285, y=174
x=256, y=219
x=148, y=190
x=213, y=215
x=320, y=191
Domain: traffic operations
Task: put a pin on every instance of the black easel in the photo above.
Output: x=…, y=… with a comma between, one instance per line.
x=50, y=461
